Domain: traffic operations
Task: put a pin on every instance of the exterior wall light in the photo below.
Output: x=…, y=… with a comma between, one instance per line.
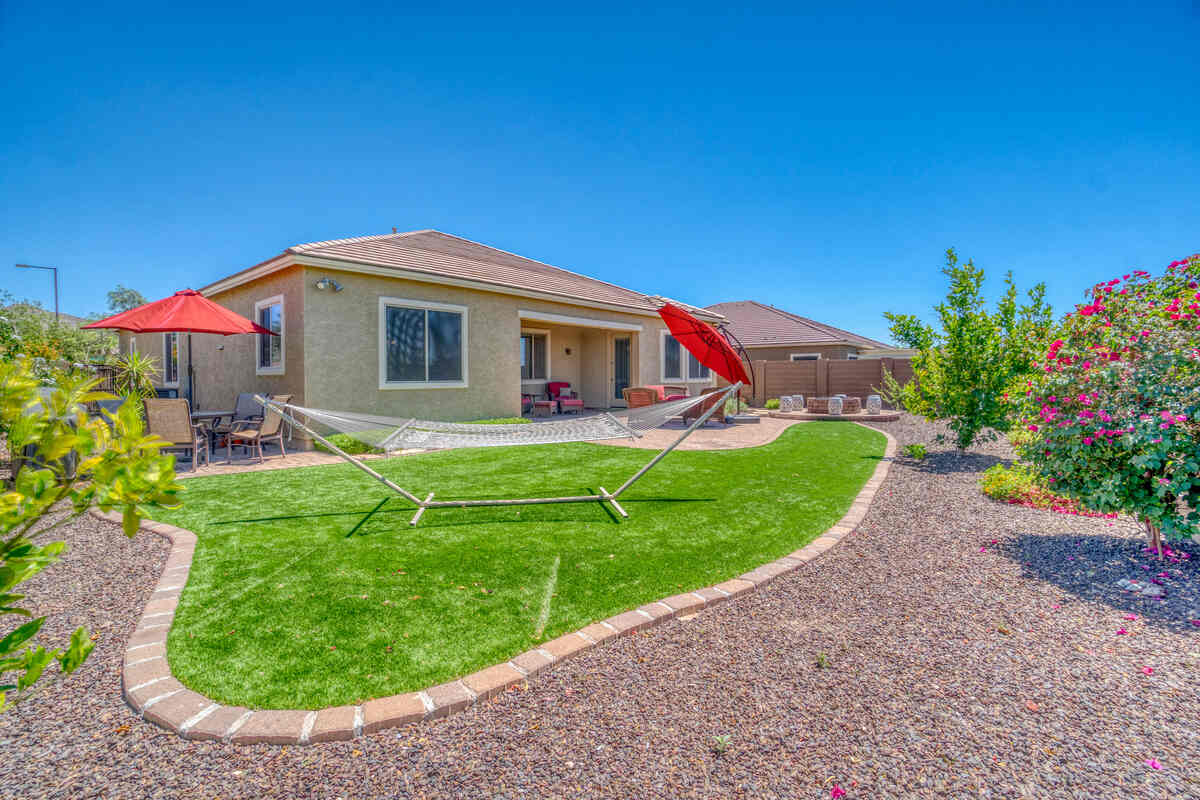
x=328, y=283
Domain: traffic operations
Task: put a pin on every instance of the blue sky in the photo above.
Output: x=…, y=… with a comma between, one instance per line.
x=820, y=161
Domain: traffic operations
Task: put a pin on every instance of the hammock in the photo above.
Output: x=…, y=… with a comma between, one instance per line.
x=391, y=434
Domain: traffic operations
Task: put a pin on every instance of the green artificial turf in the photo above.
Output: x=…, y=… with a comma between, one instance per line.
x=309, y=588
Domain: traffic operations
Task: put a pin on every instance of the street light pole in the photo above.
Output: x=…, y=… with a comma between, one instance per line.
x=48, y=269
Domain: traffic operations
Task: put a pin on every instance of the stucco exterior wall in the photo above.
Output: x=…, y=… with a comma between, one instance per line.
x=226, y=365
x=342, y=347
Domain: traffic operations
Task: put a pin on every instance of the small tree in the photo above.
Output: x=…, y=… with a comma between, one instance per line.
x=1115, y=408
x=123, y=298
x=63, y=461
x=966, y=371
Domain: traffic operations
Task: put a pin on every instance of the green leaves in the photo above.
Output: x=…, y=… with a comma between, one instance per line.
x=14, y=640
x=77, y=459
x=969, y=371
x=1114, y=406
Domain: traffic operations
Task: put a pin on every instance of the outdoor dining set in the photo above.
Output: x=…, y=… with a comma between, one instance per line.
x=198, y=434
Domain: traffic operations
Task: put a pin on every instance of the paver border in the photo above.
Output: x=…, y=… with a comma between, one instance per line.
x=155, y=695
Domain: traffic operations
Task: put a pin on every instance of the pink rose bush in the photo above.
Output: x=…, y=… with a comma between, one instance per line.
x=1114, y=409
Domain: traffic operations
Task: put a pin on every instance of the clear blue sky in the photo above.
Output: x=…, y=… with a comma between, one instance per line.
x=820, y=161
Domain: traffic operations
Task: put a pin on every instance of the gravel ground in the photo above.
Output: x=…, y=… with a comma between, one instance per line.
x=969, y=649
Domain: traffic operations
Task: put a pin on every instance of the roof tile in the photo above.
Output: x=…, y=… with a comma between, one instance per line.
x=759, y=325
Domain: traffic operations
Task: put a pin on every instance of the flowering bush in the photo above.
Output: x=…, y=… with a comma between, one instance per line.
x=1115, y=408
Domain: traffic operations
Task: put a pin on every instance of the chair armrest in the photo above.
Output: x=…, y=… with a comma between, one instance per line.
x=242, y=424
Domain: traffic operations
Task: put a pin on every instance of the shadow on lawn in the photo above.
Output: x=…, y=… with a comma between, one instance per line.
x=427, y=521
x=1089, y=568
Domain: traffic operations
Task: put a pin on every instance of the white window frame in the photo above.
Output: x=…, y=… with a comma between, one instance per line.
x=167, y=358
x=684, y=363
x=804, y=357
x=259, y=306
x=427, y=305
x=549, y=372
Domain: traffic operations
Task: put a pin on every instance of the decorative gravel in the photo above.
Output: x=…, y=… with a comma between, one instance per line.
x=968, y=649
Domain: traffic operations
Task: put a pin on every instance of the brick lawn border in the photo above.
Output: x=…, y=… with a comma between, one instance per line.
x=154, y=694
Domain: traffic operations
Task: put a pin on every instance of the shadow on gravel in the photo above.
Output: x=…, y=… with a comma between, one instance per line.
x=1089, y=567
x=948, y=462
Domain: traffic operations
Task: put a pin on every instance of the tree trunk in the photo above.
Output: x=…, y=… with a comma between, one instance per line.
x=1154, y=534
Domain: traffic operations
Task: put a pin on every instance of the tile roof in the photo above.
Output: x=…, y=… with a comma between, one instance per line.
x=441, y=255
x=759, y=325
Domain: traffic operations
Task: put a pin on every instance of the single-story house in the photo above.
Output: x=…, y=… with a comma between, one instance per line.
x=772, y=334
x=425, y=324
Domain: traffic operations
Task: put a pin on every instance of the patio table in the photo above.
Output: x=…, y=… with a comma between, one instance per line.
x=210, y=420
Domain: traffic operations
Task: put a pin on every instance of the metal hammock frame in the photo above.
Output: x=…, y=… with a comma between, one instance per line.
x=604, y=496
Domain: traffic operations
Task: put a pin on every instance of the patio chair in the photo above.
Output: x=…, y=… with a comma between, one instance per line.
x=568, y=400
x=639, y=396
x=171, y=419
x=247, y=412
x=270, y=429
x=697, y=411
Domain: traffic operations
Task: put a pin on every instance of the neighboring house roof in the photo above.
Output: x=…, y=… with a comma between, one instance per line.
x=441, y=258
x=759, y=325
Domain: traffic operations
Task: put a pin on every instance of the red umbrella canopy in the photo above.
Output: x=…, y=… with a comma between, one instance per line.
x=705, y=343
x=186, y=311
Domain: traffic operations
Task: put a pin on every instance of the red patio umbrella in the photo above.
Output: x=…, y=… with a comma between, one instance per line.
x=186, y=311
x=706, y=343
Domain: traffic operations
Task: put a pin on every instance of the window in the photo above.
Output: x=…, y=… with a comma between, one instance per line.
x=852, y=356
x=421, y=344
x=673, y=355
x=805, y=357
x=535, y=351
x=269, y=314
x=170, y=359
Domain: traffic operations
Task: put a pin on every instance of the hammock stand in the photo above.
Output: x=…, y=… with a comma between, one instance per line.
x=604, y=496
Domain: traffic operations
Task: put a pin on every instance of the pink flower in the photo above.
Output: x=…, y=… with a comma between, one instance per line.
x=1121, y=631
x=1147, y=670
x=838, y=791
x=1152, y=763
x=1130, y=617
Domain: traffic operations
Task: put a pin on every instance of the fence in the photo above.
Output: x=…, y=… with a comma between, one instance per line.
x=825, y=377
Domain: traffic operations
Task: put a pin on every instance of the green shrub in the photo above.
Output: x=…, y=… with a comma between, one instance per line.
x=773, y=403
x=1021, y=437
x=1021, y=486
x=501, y=421
x=348, y=444
x=915, y=451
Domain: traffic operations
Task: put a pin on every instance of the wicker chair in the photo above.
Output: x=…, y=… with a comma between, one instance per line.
x=639, y=396
x=697, y=411
x=270, y=429
x=171, y=419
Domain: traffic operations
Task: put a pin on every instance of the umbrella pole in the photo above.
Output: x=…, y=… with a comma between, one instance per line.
x=191, y=376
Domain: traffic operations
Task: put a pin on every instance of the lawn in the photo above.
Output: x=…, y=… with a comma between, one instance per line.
x=309, y=588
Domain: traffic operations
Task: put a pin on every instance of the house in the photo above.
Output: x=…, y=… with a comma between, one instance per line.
x=425, y=324
x=772, y=334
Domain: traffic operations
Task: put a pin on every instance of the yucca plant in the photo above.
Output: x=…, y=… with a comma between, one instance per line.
x=134, y=377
